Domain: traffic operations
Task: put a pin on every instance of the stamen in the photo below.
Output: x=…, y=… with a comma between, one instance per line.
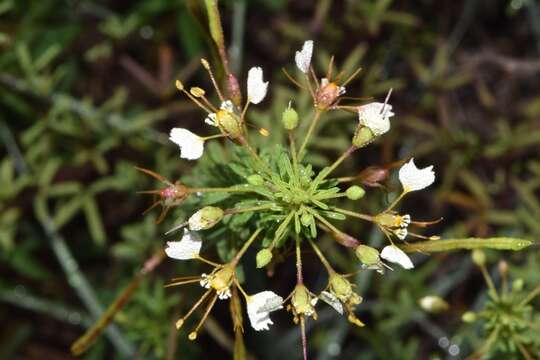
x=155, y=175
x=314, y=76
x=178, y=227
x=293, y=80
x=193, y=335
x=163, y=214
x=330, y=68
x=206, y=65
x=180, y=87
x=353, y=75
x=183, y=282
x=180, y=321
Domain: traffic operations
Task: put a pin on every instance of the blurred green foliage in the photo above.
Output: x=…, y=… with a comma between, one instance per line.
x=87, y=93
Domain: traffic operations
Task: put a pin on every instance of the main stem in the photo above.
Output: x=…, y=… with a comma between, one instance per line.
x=312, y=126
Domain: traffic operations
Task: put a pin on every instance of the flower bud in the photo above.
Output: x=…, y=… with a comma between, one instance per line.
x=433, y=304
x=289, y=119
x=478, y=257
x=306, y=219
x=255, y=179
x=469, y=317
x=301, y=301
x=263, y=258
x=362, y=136
x=503, y=267
x=205, y=218
x=518, y=284
x=342, y=289
x=355, y=192
x=367, y=255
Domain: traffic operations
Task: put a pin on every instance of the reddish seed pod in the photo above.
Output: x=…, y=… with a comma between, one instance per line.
x=373, y=176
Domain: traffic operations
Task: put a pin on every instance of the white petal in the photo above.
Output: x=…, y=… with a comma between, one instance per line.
x=332, y=300
x=191, y=145
x=195, y=221
x=187, y=248
x=259, y=307
x=395, y=255
x=303, y=58
x=211, y=119
x=375, y=116
x=413, y=178
x=256, y=87
x=227, y=105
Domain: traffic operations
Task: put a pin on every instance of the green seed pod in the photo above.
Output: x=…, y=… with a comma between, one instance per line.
x=367, y=255
x=255, y=180
x=263, y=258
x=355, y=192
x=469, y=317
x=478, y=257
x=289, y=119
x=362, y=137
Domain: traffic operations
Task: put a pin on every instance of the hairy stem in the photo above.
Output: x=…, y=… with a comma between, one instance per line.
x=312, y=127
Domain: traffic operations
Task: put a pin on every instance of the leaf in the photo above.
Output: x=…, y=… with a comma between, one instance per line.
x=93, y=219
x=499, y=243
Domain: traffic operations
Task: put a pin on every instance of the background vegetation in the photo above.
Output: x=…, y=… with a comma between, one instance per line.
x=87, y=92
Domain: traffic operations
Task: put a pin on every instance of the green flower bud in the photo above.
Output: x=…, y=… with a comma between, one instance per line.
x=518, y=284
x=255, y=180
x=478, y=257
x=355, y=192
x=290, y=119
x=367, y=255
x=433, y=304
x=263, y=258
x=306, y=219
x=205, y=218
x=469, y=317
x=362, y=137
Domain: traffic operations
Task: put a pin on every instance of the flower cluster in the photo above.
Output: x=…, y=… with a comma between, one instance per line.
x=288, y=201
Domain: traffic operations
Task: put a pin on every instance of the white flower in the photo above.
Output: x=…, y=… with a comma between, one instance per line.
x=376, y=117
x=191, y=145
x=332, y=300
x=413, y=178
x=256, y=87
x=259, y=307
x=395, y=255
x=303, y=58
x=187, y=248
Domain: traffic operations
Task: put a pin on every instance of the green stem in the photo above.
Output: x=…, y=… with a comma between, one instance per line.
x=339, y=160
x=489, y=282
x=244, y=248
x=246, y=209
x=312, y=126
x=354, y=214
x=293, y=152
x=324, y=221
x=322, y=258
x=218, y=189
x=299, y=276
x=530, y=297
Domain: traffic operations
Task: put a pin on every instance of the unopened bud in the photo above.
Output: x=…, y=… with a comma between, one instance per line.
x=205, y=218
x=362, y=137
x=355, y=192
x=518, y=284
x=263, y=258
x=478, y=257
x=433, y=304
x=179, y=85
x=469, y=317
x=306, y=219
x=255, y=179
x=289, y=118
x=341, y=287
x=503, y=267
x=197, y=91
x=367, y=255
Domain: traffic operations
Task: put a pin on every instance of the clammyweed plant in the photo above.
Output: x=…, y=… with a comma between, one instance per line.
x=510, y=322
x=272, y=200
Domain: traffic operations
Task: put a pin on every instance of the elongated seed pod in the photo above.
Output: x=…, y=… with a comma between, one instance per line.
x=500, y=243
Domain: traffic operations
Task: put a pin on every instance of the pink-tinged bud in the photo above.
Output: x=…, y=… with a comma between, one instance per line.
x=346, y=240
x=234, y=90
x=373, y=175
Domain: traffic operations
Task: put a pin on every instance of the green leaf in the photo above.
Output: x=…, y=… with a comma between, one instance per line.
x=93, y=219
